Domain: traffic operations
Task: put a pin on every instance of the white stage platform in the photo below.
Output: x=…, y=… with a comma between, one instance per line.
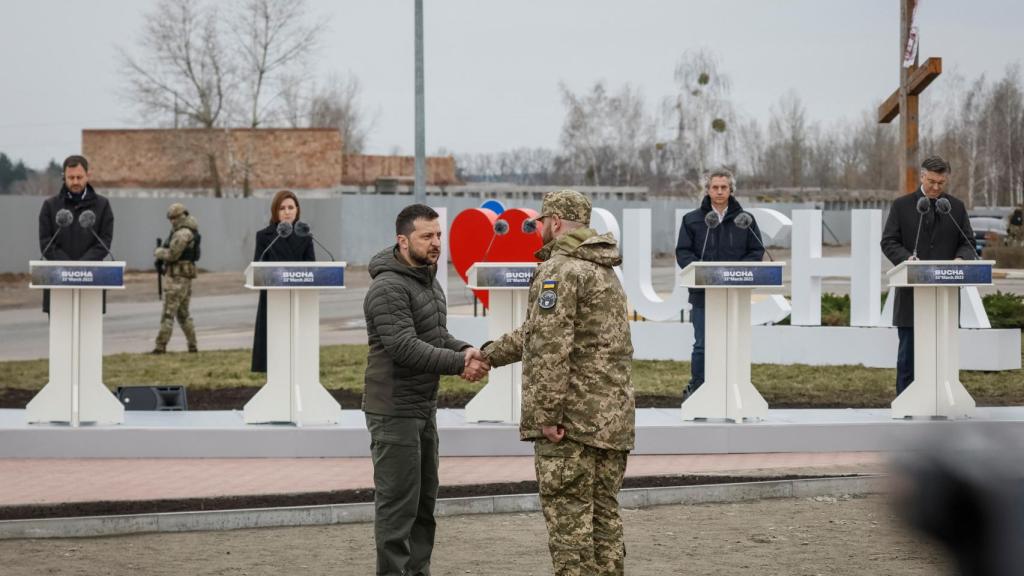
x=223, y=434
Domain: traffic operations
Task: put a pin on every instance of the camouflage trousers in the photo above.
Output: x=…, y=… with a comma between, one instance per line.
x=177, y=295
x=579, y=487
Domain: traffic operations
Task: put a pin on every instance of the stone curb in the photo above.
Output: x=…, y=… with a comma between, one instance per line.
x=91, y=526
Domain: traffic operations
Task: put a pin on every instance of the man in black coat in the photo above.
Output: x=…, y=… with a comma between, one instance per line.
x=725, y=243
x=410, y=347
x=75, y=242
x=939, y=239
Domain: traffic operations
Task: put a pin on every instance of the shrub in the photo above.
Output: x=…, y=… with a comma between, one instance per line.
x=1004, y=310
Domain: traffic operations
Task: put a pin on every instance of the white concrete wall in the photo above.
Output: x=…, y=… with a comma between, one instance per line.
x=353, y=227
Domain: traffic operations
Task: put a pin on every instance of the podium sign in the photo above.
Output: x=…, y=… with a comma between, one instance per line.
x=501, y=276
x=936, y=389
x=57, y=274
x=509, y=285
x=717, y=275
x=75, y=392
x=948, y=273
x=264, y=275
x=293, y=392
x=727, y=392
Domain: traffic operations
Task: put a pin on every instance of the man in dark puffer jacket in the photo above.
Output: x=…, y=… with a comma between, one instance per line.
x=725, y=243
x=410, y=348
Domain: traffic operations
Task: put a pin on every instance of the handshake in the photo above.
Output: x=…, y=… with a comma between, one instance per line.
x=476, y=365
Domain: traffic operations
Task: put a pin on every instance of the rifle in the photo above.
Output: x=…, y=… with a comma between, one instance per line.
x=159, y=265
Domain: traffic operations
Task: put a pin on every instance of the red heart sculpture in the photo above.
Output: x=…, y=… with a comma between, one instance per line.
x=472, y=238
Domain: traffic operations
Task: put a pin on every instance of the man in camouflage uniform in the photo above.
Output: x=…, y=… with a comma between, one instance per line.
x=577, y=405
x=1015, y=228
x=179, y=256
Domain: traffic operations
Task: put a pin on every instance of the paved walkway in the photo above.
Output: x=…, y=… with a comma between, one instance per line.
x=39, y=481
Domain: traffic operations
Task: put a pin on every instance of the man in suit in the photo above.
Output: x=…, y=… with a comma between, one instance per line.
x=939, y=239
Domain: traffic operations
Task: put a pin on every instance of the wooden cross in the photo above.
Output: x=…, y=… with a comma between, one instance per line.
x=903, y=102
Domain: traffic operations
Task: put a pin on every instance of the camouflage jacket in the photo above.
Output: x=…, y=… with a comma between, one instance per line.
x=181, y=237
x=575, y=345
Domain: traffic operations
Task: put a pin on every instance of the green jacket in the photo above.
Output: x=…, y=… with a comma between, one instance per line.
x=575, y=345
x=410, y=347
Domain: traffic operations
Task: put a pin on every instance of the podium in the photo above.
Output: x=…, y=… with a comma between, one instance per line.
x=75, y=392
x=293, y=393
x=936, y=389
x=727, y=392
x=508, y=284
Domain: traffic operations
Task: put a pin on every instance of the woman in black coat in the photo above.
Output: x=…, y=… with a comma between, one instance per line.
x=284, y=208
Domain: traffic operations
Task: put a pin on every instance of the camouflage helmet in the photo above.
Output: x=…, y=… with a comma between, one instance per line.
x=568, y=205
x=175, y=210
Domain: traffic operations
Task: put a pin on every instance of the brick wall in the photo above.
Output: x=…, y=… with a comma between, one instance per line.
x=364, y=170
x=302, y=158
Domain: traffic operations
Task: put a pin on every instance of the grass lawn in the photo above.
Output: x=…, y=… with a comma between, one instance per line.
x=656, y=382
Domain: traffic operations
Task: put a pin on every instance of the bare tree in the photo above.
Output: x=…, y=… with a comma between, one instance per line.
x=604, y=135
x=337, y=105
x=787, y=141
x=271, y=38
x=702, y=115
x=182, y=69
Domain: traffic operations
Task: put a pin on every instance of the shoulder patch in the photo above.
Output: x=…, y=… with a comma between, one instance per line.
x=548, y=299
x=549, y=284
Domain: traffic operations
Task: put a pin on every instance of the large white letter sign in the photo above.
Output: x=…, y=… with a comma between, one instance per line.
x=636, y=268
x=863, y=267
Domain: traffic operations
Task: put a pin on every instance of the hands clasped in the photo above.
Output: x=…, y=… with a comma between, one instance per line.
x=476, y=365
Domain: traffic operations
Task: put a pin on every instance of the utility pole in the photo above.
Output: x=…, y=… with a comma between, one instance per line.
x=420, y=185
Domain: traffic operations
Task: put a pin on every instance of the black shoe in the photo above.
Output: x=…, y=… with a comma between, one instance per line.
x=158, y=351
x=193, y=349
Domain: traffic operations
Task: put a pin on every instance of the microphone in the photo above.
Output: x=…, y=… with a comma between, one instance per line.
x=743, y=221
x=711, y=220
x=923, y=206
x=64, y=219
x=942, y=206
x=303, y=230
x=87, y=220
x=284, y=230
x=500, y=229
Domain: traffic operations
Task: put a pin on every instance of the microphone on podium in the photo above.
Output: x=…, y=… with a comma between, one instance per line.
x=923, y=206
x=64, y=219
x=284, y=230
x=303, y=230
x=87, y=220
x=500, y=229
x=711, y=220
x=942, y=206
x=743, y=221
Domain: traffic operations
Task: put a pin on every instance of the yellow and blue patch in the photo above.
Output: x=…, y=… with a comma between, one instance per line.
x=548, y=284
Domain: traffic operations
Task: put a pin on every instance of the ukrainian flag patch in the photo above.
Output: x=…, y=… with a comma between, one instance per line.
x=549, y=285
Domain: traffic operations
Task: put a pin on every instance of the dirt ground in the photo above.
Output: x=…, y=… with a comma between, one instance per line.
x=791, y=537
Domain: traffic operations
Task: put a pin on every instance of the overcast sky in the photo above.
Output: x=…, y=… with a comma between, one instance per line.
x=493, y=68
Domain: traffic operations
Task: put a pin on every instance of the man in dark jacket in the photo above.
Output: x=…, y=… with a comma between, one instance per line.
x=75, y=242
x=939, y=240
x=724, y=243
x=410, y=348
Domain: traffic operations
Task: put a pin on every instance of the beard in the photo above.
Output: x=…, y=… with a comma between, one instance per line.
x=546, y=235
x=424, y=257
